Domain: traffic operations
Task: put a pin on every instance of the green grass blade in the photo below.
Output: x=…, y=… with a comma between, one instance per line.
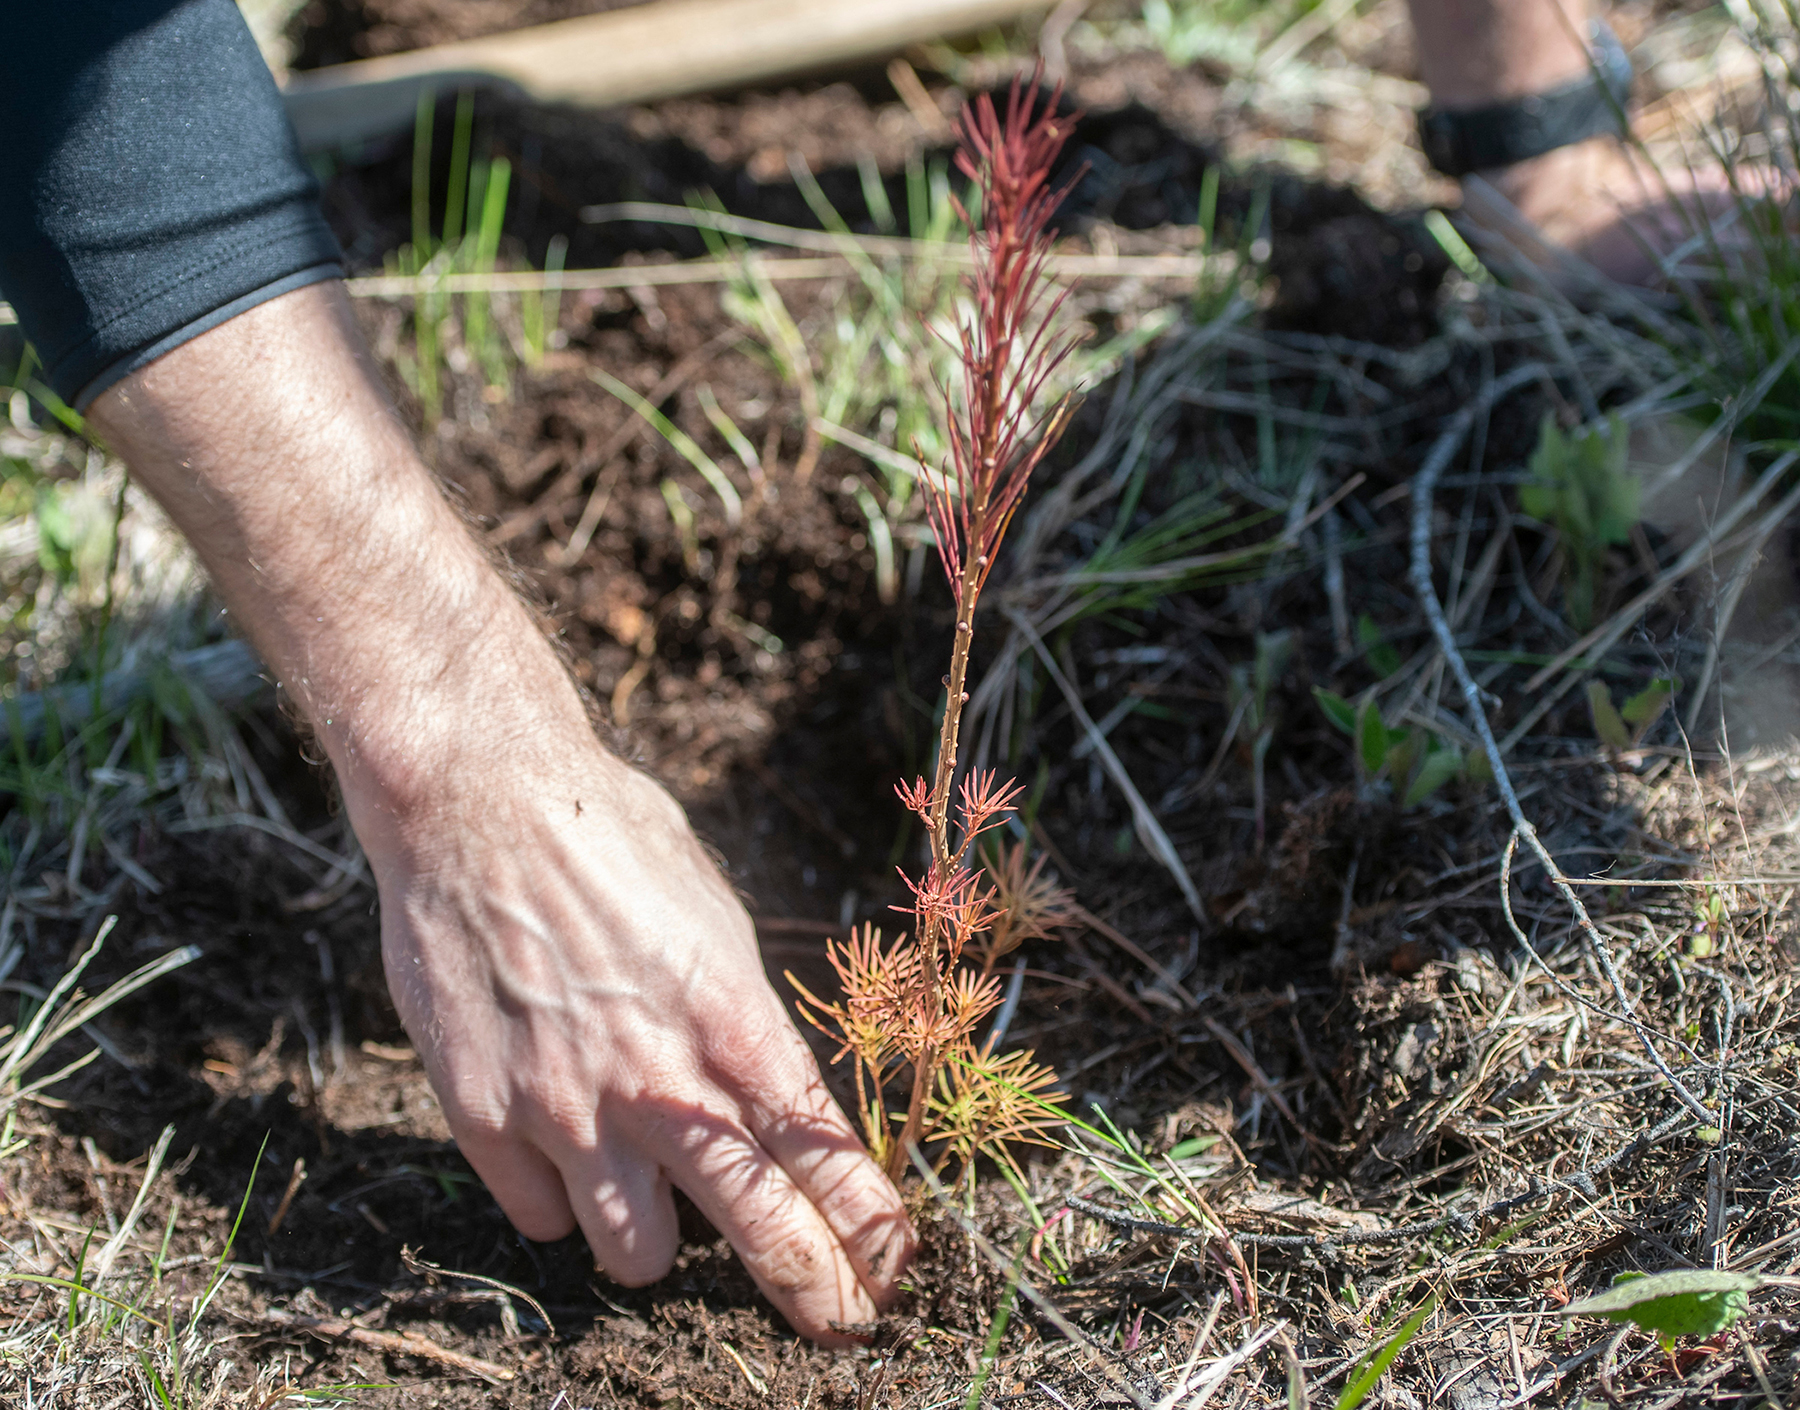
x=458, y=187
x=875, y=196
x=156, y=1384
x=881, y=539
x=421, y=172
x=44, y=1280
x=478, y=316
x=728, y=429
x=1358, y=1390
x=991, y=1351
x=1457, y=248
x=682, y=442
x=75, y=1284
x=217, y=1279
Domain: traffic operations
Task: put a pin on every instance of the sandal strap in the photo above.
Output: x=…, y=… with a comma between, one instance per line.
x=1466, y=140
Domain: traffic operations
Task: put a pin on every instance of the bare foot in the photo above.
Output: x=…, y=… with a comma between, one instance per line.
x=1603, y=204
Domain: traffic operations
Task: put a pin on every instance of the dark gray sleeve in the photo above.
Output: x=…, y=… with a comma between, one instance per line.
x=150, y=186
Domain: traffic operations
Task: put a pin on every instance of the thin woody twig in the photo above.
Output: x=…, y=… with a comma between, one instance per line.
x=391, y=1343
x=1423, y=485
x=1556, y=980
x=424, y=1269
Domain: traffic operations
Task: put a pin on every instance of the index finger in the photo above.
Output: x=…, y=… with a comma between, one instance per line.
x=781, y=1236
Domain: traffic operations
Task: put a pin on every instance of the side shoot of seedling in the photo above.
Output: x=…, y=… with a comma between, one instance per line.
x=911, y=1006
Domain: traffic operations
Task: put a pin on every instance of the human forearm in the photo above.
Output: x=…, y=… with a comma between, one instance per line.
x=274, y=448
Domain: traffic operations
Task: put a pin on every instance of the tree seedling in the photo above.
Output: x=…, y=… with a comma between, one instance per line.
x=1581, y=487
x=1624, y=727
x=911, y=1006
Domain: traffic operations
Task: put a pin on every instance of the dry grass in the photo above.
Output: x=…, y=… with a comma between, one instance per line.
x=1504, y=1150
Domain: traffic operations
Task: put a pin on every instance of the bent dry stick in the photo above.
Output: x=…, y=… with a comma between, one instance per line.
x=1423, y=486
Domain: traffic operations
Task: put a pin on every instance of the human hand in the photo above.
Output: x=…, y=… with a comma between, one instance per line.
x=583, y=986
x=587, y=996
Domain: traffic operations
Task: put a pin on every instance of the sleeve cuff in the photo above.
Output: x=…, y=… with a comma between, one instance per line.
x=143, y=357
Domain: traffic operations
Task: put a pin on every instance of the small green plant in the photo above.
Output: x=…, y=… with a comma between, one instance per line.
x=1624, y=727
x=1689, y=1302
x=1711, y=914
x=1415, y=762
x=1380, y=653
x=911, y=1006
x=1203, y=31
x=1580, y=486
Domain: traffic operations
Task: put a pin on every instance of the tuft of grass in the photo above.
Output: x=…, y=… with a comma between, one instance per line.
x=869, y=363
x=1735, y=271
x=130, y=1319
x=481, y=331
x=57, y=1016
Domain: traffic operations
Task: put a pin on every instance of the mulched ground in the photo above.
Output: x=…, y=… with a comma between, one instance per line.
x=1372, y=1087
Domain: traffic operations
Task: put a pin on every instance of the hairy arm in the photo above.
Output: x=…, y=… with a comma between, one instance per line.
x=584, y=988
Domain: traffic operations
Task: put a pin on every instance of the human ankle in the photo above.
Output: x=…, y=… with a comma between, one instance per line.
x=1548, y=185
x=1474, y=53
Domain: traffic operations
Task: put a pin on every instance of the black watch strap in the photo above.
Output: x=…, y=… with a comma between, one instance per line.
x=1458, y=142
